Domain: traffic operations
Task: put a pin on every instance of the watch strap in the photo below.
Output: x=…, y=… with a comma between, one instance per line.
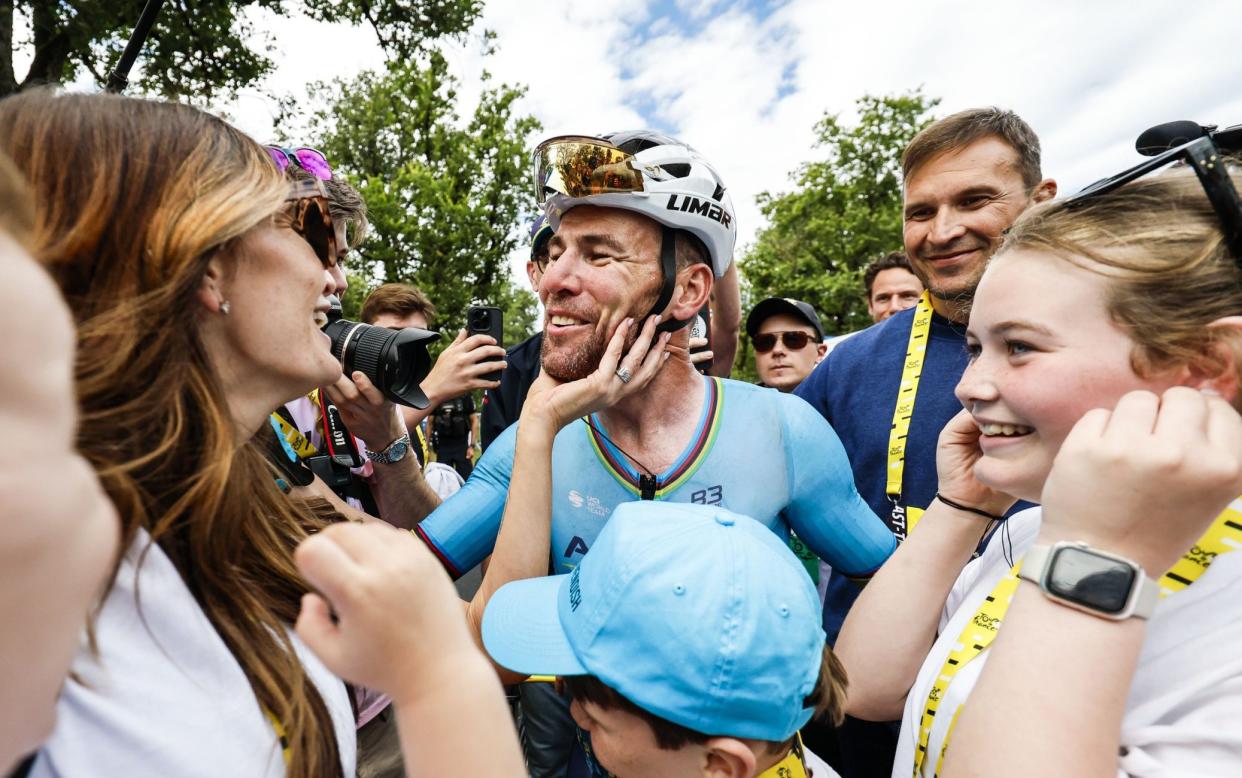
x=1035, y=569
x=1034, y=562
x=385, y=457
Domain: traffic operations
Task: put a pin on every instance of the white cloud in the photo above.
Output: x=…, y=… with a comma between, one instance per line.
x=745, y=82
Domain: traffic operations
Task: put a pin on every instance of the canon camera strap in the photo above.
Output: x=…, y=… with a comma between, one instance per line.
x=338, y=443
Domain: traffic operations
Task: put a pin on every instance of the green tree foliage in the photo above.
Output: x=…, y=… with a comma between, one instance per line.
x=844, y=211
x=521, y=309
x=445, y=196
x=200, y=49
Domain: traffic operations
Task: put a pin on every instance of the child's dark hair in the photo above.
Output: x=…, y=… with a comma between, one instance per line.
x=827, y=698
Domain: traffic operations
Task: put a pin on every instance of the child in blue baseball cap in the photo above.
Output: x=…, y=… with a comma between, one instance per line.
x=689, y=639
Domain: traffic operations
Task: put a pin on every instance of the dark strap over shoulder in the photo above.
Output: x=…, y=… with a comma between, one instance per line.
x=25, y=767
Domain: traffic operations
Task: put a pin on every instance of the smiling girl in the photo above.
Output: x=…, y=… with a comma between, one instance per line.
x=1106, y=342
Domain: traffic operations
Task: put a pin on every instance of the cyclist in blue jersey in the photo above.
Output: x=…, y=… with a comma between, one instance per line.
x=643, y=225
x=643, y=228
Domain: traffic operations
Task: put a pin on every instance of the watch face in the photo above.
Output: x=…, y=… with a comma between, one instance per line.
x=1080, y=576
x=396, y=452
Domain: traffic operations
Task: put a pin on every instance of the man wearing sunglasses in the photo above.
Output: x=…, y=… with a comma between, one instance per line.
x=788, y=341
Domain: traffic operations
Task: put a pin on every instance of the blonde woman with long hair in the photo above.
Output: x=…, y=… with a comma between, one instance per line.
x=197, y=276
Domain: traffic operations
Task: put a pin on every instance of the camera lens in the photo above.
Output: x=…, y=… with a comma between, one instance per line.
x=396, y=361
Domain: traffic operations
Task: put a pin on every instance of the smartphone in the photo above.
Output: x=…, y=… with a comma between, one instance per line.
x=486, y=320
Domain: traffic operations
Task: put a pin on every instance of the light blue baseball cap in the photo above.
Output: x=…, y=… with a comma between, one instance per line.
x=696, y=614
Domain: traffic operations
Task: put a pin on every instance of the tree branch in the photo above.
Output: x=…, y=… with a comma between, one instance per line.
x=51, y=47
x=365, y=5
x=8, y=80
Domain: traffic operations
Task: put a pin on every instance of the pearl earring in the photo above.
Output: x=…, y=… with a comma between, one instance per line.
x=224, y=307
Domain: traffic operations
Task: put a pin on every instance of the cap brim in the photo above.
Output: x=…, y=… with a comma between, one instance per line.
x=522, y=629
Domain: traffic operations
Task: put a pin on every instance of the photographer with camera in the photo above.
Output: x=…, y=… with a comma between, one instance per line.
x=468, y=364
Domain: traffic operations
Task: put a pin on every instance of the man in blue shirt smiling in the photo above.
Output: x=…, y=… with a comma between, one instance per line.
x=888, y=391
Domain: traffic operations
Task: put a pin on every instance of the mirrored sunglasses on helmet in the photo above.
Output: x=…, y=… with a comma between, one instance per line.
x=794, y=340
x=311, y=160
x=1213, y=172
x=310, y=218
x=578, y=166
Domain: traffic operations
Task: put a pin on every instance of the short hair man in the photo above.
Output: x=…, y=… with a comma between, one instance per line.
x=788, y=340
x=643, y=226
x=502, y=406
x=639, y=633
x=891, y=285
x=625, y=248
x=967, y=178
x=397, y=306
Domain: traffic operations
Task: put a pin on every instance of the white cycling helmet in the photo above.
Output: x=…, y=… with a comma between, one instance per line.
x=641, y=171
x=648, y=173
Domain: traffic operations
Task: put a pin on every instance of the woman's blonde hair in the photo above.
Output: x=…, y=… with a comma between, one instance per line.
x=133, y=198
x=16, y=207
x=1161, y=245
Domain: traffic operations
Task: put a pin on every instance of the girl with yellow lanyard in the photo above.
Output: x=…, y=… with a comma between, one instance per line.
x=1098, y=635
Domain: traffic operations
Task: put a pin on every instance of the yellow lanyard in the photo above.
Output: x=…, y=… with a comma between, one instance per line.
x=422, y=442
x=302, y=446
x=282, y=736
x=297, y=441
x=903, y=412
x=1223, y=536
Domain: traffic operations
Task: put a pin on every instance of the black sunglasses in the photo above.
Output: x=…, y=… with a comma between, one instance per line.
x=1201, y=154
x=309, y=217
x=794, y=340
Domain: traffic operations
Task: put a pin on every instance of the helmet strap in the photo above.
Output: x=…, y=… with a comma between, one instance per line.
x=668, y=267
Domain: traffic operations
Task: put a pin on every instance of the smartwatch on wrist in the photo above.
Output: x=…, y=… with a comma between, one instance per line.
x=1090, y=580
x=394, y=452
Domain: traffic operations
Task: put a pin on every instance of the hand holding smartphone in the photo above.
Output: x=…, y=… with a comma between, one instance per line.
x=486, y=320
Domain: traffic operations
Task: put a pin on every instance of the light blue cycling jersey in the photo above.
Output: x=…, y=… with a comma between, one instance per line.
x=755, y=451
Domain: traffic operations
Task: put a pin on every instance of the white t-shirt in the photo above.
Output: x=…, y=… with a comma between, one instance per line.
x=1184, y=713
x=165, y=696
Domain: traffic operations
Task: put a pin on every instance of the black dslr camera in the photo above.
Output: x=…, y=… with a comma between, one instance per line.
x=396, y=361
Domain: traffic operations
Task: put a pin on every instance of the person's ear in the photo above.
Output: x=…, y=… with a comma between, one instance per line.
x=1218, y=368
x=1044, y=190
x=532, y=275
x=693, y=291
x=821, y=350
x=726, y=757
x=211, y=289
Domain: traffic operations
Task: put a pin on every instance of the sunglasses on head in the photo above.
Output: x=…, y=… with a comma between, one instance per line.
x=309, y=217
x=794, y=340
x=579, y=166
x=1203, y=157
x=311, y=160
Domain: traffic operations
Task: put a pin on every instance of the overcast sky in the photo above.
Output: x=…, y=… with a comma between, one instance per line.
x=745, y=81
